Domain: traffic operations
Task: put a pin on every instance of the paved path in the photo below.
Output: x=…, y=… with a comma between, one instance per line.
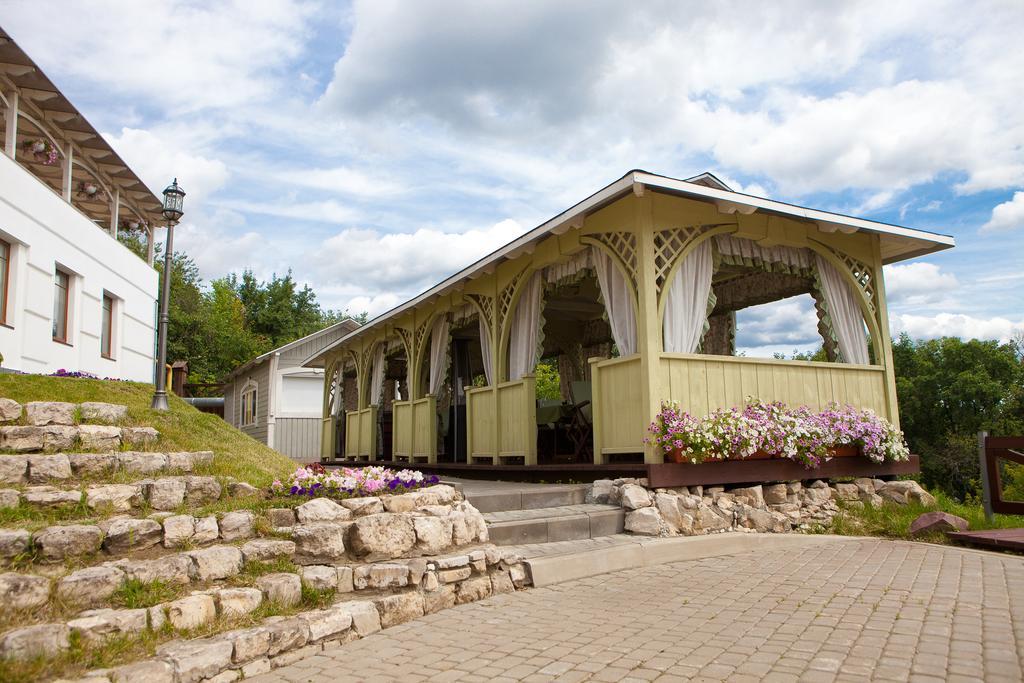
x=848, y=610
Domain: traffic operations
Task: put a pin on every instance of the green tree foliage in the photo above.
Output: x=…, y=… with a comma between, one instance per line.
x=548, y=380
x=279, y=310
x=949, y=390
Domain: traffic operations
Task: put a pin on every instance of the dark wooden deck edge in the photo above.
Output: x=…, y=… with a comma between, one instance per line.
x=1001, y=539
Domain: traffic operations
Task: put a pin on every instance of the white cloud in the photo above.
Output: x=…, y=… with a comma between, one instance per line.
x=919, y=283
x=780, y=325
x=156, y=160
x=217, y=251
x=1007, y=216
x=956, y=325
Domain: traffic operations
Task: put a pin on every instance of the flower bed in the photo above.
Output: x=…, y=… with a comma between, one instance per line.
x=314, y=481
x=798, y=434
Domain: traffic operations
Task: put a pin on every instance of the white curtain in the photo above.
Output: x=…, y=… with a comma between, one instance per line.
x=522, y=346
x=485, y=352
x=377, y=376
x=438, y=354
x=575, y=264
x=750, y=250
x=618, y=302
x=686, y=308
x=844, y=311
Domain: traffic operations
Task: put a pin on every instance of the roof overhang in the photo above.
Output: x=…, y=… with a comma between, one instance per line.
x=898, y=243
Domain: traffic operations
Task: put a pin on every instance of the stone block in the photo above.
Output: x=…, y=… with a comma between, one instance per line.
x=108, y=413
x=517, y=572
x=382, y=536
x=59, y=438
x=165, y=493
x=672, y=511
x=400, y=608
x=321, y=510
x=345, y=579
x=21, y=439
x=320, y=542
x=14, y=542
x=180, y=462
x=48, y=496
x=194, y=660
x=473, y=589
x=13, y=469
x=236, y=602
x=139, y=462
x=42, y=413
x=327, y=623
x=256, y=667
x=634, y=497
x=10, y=410
x=236, y=525
x=749, y=495
x=192, y=611
x=92, y=464
x=118, y=497
x=600, y=491
x=433, y=534
x=846, y=492
x=89, y=586
x=128, y=533
x=200, y=490
x=906, y=491
x=360, y=507
x=454, y=575
x=249, y=643
x=281, y=517
x=286, y=634
x=381, y=576
x=405, y=502
x=99, y=437
x=709, y=519
x=452, y=561
x=932, y=522
x=241, y=489
x=774, y=494
x=23, y=591
x=170, y=569
x=56, y=543
x=281, y=588
x=9, y=498
x=178, y=530
x=263, y=549
x=437, y=600
x=365, y=617
x=157, y=617
x=475, y=522
x=43, y=468
x=206, y=531
x=501, y=582
x=98, y=625
x=319, y=577
x=217, y=562
x=35, y=641
x=149, y=670
x=646, y=521
x=139, y=437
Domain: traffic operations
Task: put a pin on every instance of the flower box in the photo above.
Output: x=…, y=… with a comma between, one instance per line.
x=676, y=455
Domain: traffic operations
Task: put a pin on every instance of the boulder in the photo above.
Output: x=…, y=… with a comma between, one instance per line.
x=42, y=413
x=21, y=439
x=206, y=531
x=600, y=491
x=56, y=543
x=148, y=670
x=439, y=599
x=242, y=489
x=195, y=660
x=14, y=542
x=179, y=462
x=365, y=617
x=501, y=582
x=634, y=497
x=433, y=534
x=13, y=469
x=139, y=462
x=117, y=497
x=128, y=533
x=281, y=517
x=938, y=521
x=405, y=502
x=286, y=634
x=749, y=495
x=192, y=611
x=814, y=495
x=321, y=510
x=166, y=493
x=9, y=498
x=236, y=525
x=755, y=518
x=382, y=536
x=48, y=496
x=89, y=586
x=360, y=507
x=178, y=530
x=200, y=490
x=139, y=437
x=59, y=438
x=381, y=576
x=23, y=591
x=281, y=588
x=400, y=608
x=249, y=643
x=673, y=512
x=35, y=641
x=99, y=624
x=865, y=484
x=99, y=437
x=320, y=542
x=92, y=464
x=10, y=411
x=908, y=491
x=774, y=494
x=170, y=569
x=109, y=413
x=710, y=519
x=846, y=492
x=319, y=577
x=217, y=562
x=473, y=589
x=263, y=549
x=43, y=468
x=327, y=623
x=646, y=521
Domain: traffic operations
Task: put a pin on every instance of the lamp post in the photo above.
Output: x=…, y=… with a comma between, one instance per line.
x=174, y=199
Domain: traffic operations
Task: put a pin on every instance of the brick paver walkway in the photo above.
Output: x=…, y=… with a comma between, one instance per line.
x=846, y=610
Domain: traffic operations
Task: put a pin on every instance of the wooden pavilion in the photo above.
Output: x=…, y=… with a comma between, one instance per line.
x=634, y=290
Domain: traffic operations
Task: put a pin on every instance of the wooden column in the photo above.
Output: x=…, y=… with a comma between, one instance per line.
x=115, y=211
x=69, y=160
x=883, y=346
x=11, y=137
x=649, y=342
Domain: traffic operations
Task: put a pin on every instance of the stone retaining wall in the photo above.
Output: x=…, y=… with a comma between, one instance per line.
x=777, y=508
x=55, y=426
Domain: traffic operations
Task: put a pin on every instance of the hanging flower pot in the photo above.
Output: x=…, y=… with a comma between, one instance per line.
x=88, y=190
x=42, y=151
x=675, y=455
x=38, y=146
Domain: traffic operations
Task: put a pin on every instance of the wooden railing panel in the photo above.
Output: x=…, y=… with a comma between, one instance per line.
x=424, y=429
x=402, y=429
x=481, y=422
x=619, y=420
x=351, y=433
x=502, y=421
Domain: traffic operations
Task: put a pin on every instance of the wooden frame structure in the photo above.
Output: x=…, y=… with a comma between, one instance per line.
x=647, y=225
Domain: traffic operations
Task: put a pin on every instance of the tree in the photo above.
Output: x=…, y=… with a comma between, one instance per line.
x=278, y=309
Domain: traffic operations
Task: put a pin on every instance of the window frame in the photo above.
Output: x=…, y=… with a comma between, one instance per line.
x=67, y=304
x=248, y=412
x=7, y=249
x=107, y=326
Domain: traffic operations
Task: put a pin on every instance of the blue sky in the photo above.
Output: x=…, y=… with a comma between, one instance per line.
x=375, y=147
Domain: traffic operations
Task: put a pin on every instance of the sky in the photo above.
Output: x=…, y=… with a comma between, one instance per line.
x=374, y=148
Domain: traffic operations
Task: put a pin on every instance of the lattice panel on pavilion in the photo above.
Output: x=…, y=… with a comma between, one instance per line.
x=862, y=274
x=407, y=340
x=505, y=298
x=625, y=245
x=668, y=244
x=486, y=305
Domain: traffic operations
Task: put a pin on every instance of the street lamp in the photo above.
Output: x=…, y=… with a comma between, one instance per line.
x=174, y=199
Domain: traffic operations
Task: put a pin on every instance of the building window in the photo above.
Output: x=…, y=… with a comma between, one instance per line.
x=61, y=292
x=107, y=331
x=249, y=404
x=5, y=275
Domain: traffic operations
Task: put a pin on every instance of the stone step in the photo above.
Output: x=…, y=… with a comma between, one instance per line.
x=48, y=468
x=553, y=524
x=527, y=498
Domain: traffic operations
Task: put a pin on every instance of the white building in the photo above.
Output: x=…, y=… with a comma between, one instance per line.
x=71, y=295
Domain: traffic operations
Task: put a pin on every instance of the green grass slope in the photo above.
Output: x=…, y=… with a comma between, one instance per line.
x=183, y=428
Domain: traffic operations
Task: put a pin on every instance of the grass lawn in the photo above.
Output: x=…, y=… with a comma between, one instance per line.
x=183, y=428
x=893, y=521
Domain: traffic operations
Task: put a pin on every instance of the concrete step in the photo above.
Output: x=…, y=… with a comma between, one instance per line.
x=552, y=524
x=529, y=497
